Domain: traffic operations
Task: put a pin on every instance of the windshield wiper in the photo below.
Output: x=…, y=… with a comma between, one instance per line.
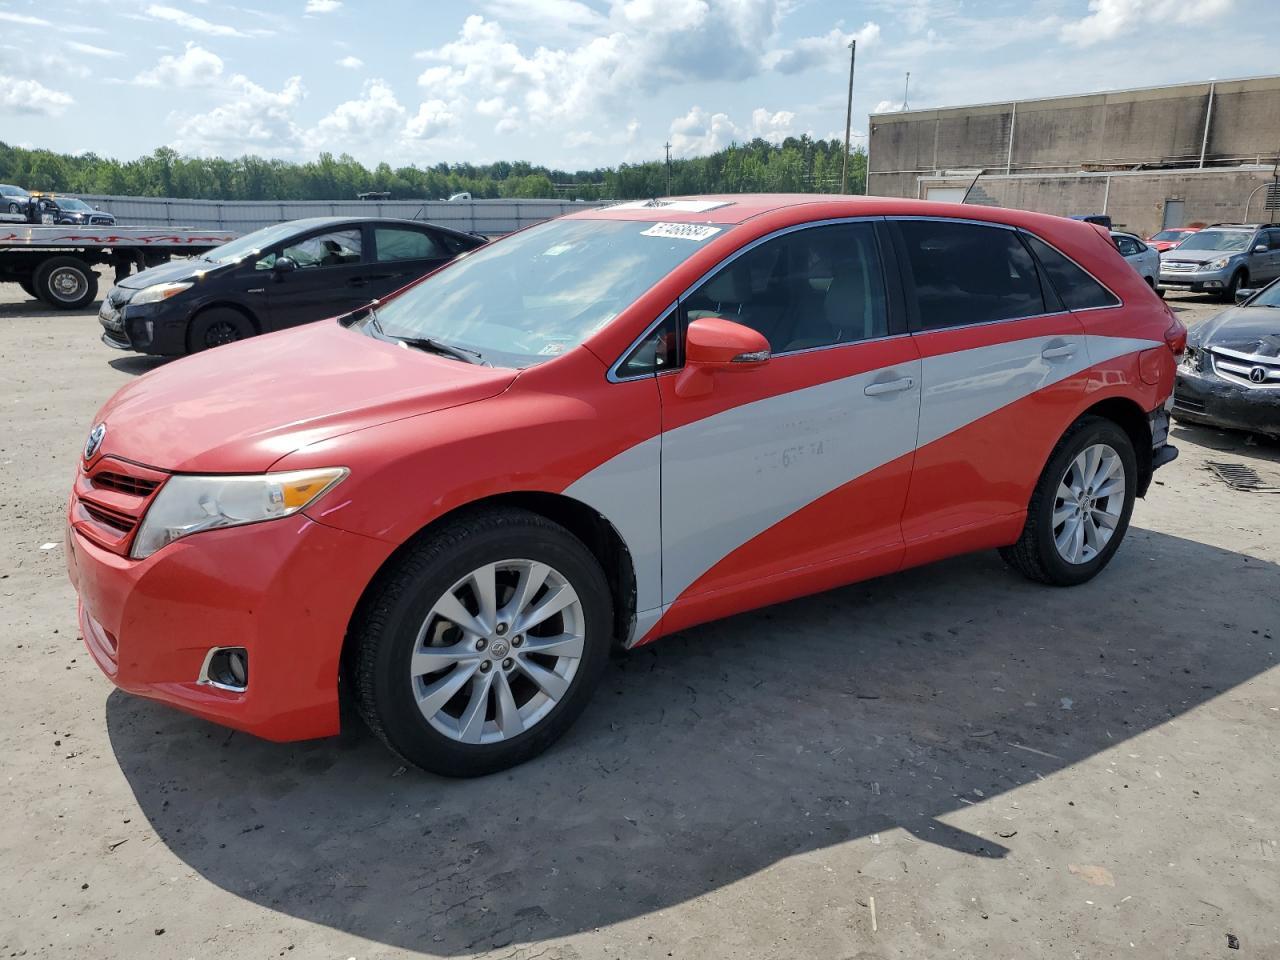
x=429, y=344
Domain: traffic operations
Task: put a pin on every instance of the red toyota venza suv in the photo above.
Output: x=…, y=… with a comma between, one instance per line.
x=451, y=504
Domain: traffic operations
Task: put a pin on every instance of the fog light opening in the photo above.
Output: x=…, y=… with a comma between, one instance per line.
x=227, y=668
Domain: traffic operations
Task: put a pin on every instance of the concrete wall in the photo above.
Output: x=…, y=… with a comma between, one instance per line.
x=1105, y=131
x=490, y=217
x=1135, y=201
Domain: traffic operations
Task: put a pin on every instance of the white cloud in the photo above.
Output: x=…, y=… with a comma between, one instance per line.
x=190, y=21
x=375, y=116
x=24, y=19
x=32, y=97
x=774, y=127
x=831, y=48
x=195, y=67
x=699, y=132
x=255, y=120
x=322, y=6
x=350, y=62
x=1108, y=19
x=432, y=119
x=90, y=50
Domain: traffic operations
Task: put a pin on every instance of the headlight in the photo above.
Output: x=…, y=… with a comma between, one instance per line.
x=1217, y=264
x=160, y=291
x=189, y=504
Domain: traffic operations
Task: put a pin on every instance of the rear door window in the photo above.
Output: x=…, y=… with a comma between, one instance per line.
x=1076, y=288
x=1127, y=246
x=965, y=273
x=396, y=243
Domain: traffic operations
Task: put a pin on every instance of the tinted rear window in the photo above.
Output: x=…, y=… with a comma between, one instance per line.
x=968, y=273
x=1077, y=290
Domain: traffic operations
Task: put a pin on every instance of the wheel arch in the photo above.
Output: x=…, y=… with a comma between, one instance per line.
x=1132, y=419
x=586, y=523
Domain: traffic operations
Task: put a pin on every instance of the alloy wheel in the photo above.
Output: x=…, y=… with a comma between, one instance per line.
x=498, y=651
x=1088, y=504
x=220, y=334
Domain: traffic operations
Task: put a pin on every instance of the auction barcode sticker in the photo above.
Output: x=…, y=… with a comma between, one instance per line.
x=696, y=232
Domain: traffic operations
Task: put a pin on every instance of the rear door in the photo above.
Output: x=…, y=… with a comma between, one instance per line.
x=803, y=462
x=1001, y=368
x=330, y=276
x=1272, y=239
x=402, y=254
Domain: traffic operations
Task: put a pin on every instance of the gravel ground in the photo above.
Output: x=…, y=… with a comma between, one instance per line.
x=947, y=762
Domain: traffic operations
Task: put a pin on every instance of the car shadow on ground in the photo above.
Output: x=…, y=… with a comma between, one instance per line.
x=136, y=364
x=1239, y=442
x=715, y=753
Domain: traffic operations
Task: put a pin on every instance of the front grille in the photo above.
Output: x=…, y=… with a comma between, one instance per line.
x=107, y=220
x=138, y=486
x=117, y=521
x=111, y=498
x=1252, y=371
x=1179, y=266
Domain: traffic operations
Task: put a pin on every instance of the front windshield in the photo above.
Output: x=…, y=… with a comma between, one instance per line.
x=1270, y=297
x=1171, y=235
x=536, y=294
x=7, y=190
x=71, y=203
x=1227, y=240
x=251, y=243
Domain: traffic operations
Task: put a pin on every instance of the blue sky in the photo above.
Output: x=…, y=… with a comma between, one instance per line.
x=569, y=83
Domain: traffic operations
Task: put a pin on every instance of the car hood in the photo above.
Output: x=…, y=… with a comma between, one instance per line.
x=240, y=408
x=1254, y=330
x=171, y=272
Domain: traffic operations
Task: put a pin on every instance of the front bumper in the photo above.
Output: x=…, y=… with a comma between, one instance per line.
x=1196, y=281
x=154, y=328
x=284, y=590
x=1205, y=397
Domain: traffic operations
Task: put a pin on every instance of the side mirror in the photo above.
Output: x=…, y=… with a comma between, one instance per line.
x=1244, y=293
x=284, y=265
x=1261, y=248
x=716, y=345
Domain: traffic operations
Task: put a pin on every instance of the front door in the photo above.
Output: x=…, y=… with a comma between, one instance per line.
x=801, y=463
x=329, y=277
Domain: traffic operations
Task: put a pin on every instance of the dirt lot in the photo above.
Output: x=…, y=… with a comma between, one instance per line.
x=947, y=762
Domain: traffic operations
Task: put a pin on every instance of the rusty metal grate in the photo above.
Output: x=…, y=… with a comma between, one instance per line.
x=1239, y=477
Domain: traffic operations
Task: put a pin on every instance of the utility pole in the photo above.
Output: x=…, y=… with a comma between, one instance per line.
x=848, y=119
x=668, y=149
x=905, y=88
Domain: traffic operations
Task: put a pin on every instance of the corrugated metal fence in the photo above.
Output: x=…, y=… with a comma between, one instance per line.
x=490, y=217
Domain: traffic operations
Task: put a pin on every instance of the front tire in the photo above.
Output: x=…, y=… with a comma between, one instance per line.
x=1228, y=294
x=1080, y=508
x=478, y=648
x=217, y=327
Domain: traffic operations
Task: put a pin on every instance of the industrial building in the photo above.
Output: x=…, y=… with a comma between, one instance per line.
x=1149, y=158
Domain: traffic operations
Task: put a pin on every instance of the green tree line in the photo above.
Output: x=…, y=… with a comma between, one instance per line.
x=797, y=165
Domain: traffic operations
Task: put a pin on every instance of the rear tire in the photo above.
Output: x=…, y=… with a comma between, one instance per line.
x=1045, y=550
x=470, y=694
x=217, y=327
x=67, y=283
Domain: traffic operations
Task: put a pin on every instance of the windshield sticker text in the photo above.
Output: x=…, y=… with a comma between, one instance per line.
x=696, y=232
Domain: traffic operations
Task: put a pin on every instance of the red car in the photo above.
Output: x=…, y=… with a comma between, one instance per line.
x=452, y=505
x=1169, y=238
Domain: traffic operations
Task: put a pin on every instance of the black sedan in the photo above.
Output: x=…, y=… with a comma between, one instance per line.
x=273, y=278
x=1230, y=374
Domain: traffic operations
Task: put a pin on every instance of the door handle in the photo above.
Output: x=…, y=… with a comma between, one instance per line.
x=888, y=386
x=357, y=282
x=1059, y=353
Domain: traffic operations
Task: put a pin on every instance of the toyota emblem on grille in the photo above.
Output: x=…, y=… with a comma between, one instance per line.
x=96, y=436
x=1258, y=374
